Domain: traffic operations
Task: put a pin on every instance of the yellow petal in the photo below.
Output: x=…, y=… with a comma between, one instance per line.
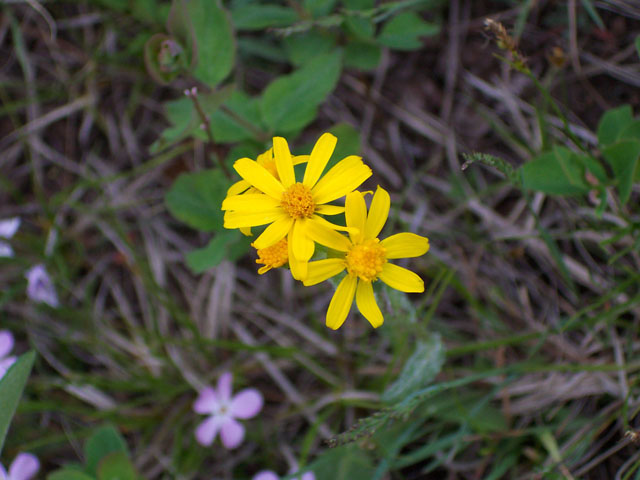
x=317, y=231
x=251, y=202
x=329, y=209
x=405, y=245
x=378, y=213
x=246, y=231
x=246, y=219
x=341, y=302
x=274, y=232
x=356, y=214
x=259, y=177
x=320, y=155
x=265, y=157
x=298, y=159
x=367, y=305
x=333, y=226
x=237, y=188
x=263, y=270
x=302, y=245
x=321, y=270
x=299, y=269
x=284, y=164
x=344, y=177
x=401, y=278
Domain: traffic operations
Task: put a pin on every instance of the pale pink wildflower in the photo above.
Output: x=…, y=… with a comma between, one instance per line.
x=23, y=467
x=6, y=345
x=223, y=409
x=8, y=229
x=40, y=287
x=269, y=475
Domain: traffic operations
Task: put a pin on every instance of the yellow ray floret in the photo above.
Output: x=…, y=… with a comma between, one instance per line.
x=289, y=207
x=365, y=258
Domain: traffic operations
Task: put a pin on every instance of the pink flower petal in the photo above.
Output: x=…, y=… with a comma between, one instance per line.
x=265, y=475
x=9, y=227
x=6, y=252
x=6, y=343
x=3, y=473
x=40, y=287
x=246, y=404
x=24, y=467
x=308, y=476
x=5, y=363
x=207, y=431
x=232, y=433
x=207, y=401
x=224, y=388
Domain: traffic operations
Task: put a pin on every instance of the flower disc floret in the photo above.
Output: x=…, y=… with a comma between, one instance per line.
x=366, y=260
x=274, y=256
x=297, y=201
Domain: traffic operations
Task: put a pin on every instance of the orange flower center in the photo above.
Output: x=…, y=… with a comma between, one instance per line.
x=273, y=257
x=366, y=259
x=298, y=202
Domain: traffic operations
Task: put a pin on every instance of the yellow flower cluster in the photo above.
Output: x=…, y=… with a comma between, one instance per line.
x=269, y=194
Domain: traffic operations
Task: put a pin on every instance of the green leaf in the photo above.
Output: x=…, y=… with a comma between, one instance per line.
x=348, y=143
x=116, y=466
x=623, y=158
x=104, y=441
x=404, y=31
x=638, y=44
x=360, y=26
x=195, y=198
x=11, y=387
x=359, y=4
x=69, y=474
x=290, y=102
x=319, y=8
x=631, y=131
x=215, y=43
x=225, y=245
x=362, y=55
x=303, y=47
x=612, y=123
x=233, y=125
x=421, y=368
x=348, y=462
x=258, y=17
x=262, y=47
x=559, y=172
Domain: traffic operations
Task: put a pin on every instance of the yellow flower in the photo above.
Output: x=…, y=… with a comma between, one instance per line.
x=272, y=257
x=266, y=160
x=289, y=207
x=365, y=258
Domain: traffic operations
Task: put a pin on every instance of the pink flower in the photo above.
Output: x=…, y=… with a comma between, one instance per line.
x=8, y=228
x=223, y=409
x=269, y=475
x=40, y=287
x=23, y=467
x=265, y=475
x=6, y=345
